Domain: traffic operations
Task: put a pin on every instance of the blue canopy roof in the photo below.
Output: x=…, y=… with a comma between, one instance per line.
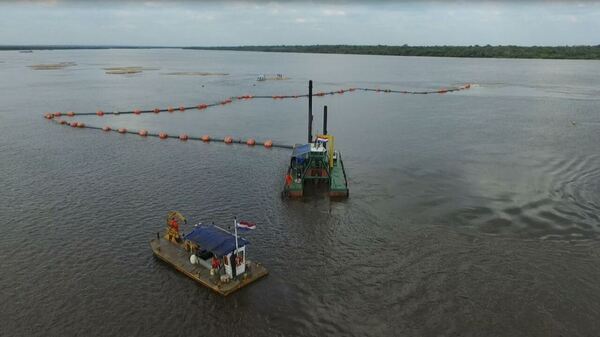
x=215, y=240
x=300, y=149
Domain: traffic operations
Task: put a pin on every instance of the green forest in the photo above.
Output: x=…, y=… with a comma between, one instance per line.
x=534, y=52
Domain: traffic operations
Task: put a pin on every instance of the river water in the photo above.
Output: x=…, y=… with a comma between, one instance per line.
x=473, y=213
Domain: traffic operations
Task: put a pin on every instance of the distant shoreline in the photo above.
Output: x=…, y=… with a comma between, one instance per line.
x=533, y=52
x=68, y=47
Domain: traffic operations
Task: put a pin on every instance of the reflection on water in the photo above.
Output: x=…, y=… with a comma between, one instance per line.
x=471, y=213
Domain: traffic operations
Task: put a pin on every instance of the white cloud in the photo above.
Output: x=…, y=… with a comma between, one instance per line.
x=185, y=23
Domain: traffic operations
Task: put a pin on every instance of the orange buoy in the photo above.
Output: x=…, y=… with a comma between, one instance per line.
x=137, y=111
x=48, y=115
x=156, y=110
x=100, y=113
x=57, y=114
x=205, y=138
x=269, y=143
x=122, y=130
x=228, y=140
x=181, y=108
x=442, y=91
x=202, y=106
x=170, y=109
x=163, y=135
x=183, y=137
x=70, y=113
x=143, y=133
x=73, y=124
x=227, y=101
x=63, y=122
x=251, y=141
x=106, y=128
x=80, y=125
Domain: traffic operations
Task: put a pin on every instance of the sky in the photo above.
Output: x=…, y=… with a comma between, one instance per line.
x=233, y=23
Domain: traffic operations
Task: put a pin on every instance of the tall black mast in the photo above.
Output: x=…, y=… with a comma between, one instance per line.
x=310, y=115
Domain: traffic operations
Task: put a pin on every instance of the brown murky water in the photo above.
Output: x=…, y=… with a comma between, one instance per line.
x=471, y=214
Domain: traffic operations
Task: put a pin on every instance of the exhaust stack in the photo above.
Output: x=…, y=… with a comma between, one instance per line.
x=325, y=120
x=310, y=115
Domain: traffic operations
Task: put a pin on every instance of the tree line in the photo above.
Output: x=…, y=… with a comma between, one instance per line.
x=487, y=51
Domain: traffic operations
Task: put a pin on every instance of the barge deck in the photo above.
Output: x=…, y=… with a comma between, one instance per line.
x=175, y=255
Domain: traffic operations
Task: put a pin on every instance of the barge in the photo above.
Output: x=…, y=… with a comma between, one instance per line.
x=210, y=255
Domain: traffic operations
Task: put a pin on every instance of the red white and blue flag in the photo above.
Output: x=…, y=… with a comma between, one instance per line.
x=246, y=225
x=322, y=139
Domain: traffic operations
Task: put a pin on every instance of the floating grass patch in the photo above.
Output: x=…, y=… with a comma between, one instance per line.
x=195, y=73
x=277, y=77
x=52, y=66
x=126, y=70
x=123, y=70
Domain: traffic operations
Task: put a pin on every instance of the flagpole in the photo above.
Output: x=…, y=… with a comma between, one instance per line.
x=236, y=237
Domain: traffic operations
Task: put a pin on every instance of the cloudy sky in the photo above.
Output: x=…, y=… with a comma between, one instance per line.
x=201, y=23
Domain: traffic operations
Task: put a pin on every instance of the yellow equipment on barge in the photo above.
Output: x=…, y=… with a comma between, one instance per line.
x=208, y=254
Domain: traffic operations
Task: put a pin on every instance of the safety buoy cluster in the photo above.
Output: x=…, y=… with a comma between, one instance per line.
x=74, y=124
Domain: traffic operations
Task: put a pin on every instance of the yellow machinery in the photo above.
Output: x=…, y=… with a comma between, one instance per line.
x=330, y=148
x=174, y=219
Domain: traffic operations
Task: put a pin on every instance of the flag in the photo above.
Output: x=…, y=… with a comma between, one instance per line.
x=322, y=140
x=246, y=225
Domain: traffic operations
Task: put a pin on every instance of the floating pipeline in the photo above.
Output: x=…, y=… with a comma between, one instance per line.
x=182, y=137
x=55, y=116
x=229, y=100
